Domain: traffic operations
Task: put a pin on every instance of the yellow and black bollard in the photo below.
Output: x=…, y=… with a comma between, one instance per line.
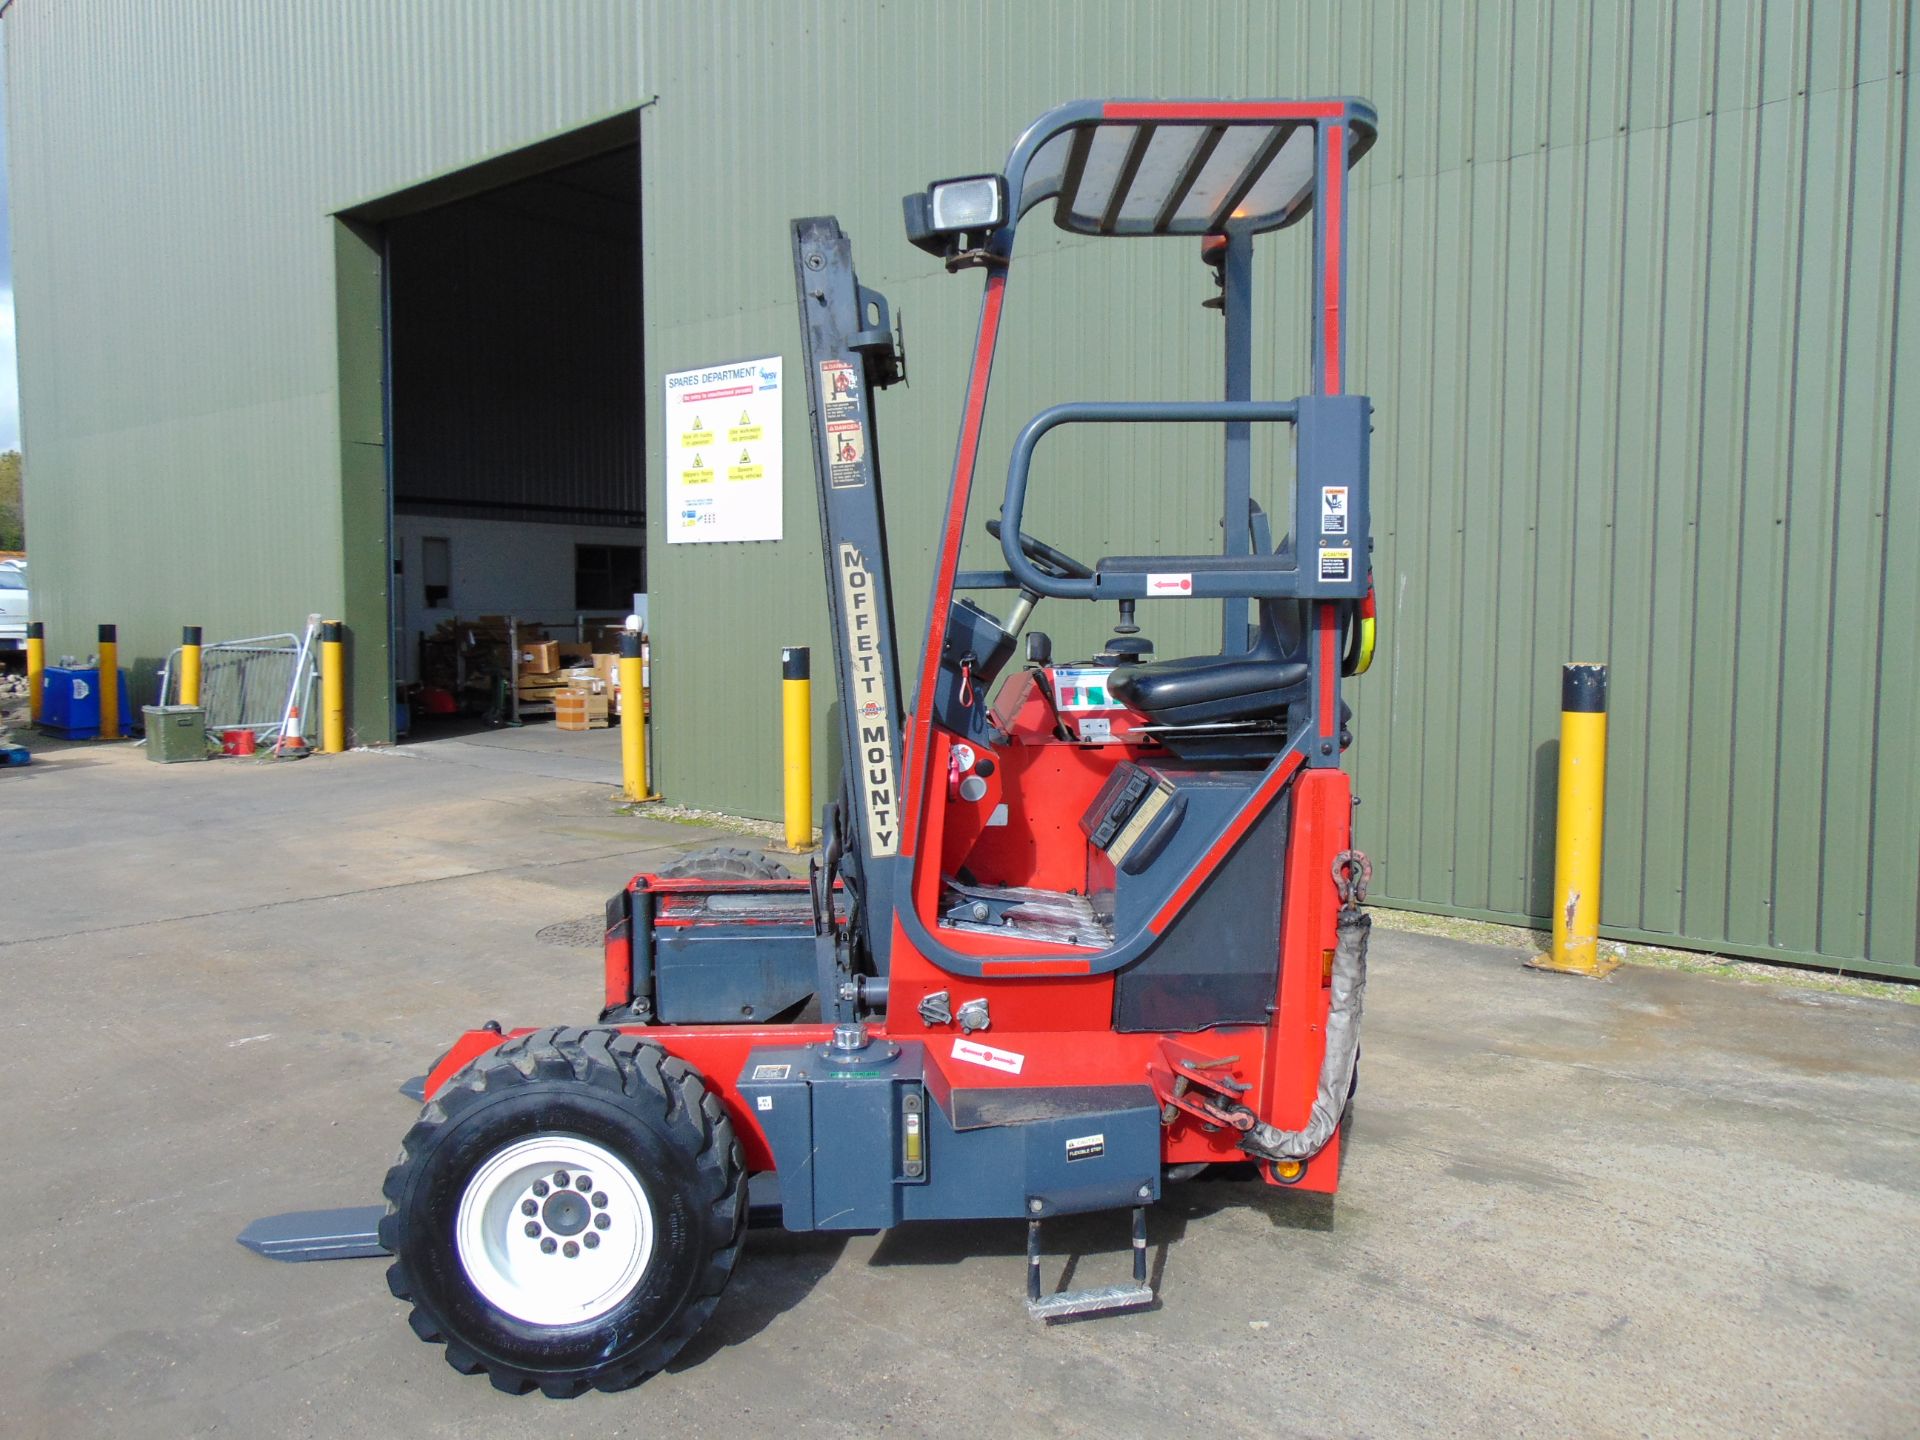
x=36, y=667
x=109, y=683
x=1580, y=826
x=333, y=687
x=189, y=664
x=796, y=736
x=633, y=719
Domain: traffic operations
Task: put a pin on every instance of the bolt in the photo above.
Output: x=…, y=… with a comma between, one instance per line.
x=560, y=1179
x=590, y=1240
x=527, y=1207
x=570, y=1250
x=815, y=260
x=600, y=1201
x=1036, y=1206
x=533, y=1228
x=540, y=1187
x=601, y=1222
x=583, y=1183
x=1146, y=1192
x=547, y=1247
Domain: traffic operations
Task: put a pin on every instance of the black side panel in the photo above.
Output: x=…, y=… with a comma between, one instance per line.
x=1219, y=963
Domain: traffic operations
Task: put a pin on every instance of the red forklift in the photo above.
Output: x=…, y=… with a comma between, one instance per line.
x=1075, y=927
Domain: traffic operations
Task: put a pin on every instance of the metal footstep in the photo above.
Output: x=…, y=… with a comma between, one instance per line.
x=1099, y=1300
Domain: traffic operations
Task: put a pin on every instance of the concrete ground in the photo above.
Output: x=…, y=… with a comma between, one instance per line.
x=1660, y=1205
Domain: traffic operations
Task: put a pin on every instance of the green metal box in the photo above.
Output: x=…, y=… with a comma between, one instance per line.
x=176, y=732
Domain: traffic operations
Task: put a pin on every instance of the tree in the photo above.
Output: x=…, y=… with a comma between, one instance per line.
x=13, y=518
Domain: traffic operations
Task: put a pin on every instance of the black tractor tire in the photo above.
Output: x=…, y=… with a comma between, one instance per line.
x=725, y=862
x=634, y=1101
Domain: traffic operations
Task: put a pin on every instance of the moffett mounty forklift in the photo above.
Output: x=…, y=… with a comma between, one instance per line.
x=1074, y=927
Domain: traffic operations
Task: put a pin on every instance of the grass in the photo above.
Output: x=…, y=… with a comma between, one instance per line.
x=1724, y=967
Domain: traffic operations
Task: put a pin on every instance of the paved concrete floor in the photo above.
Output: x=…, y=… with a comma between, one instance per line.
x=1662, y=1205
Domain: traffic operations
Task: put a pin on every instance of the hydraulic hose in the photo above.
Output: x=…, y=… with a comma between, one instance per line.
x=1343, y=1032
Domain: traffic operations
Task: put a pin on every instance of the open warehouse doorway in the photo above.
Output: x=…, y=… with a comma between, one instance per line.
x=515, y=443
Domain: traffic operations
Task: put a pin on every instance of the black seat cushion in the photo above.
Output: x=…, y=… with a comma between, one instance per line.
x=1203, y=688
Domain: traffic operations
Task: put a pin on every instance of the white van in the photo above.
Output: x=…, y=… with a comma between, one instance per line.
x=13, y=606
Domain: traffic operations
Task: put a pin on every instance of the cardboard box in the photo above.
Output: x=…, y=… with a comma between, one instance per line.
x=543, y=655
x=579, y=710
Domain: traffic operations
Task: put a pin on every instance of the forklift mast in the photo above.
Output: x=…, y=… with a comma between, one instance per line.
x=849, y=353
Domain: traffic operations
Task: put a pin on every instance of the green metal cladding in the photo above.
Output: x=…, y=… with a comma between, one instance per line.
x=1626, y=290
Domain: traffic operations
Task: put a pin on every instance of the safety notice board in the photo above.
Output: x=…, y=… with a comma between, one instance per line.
x=723, y=452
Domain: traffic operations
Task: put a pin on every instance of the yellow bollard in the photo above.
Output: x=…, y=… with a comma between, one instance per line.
x=109, y=676
x=1580, y=826
x=333, y=688
x=633, y=719
x=189, y=664
x=36, y=667
x=796, y=734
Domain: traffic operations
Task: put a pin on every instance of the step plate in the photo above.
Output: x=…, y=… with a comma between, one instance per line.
x=1105, y=1300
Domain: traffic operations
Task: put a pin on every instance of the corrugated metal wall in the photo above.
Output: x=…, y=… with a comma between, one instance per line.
x=1633, y=309
x=1630, y=308
x=175, y=170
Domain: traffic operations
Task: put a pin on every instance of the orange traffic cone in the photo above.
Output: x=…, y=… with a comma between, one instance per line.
x=292, y=744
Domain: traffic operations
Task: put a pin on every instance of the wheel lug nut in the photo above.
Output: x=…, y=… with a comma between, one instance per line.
x=590, y=1240
x=547, y=1247
x=533, y=1227
x=583, y=1183
x=540, y=1187
x=601, y=1222
x=560, y=1179
x=527, y=1207
x=600, y=1201
x=570, y=1250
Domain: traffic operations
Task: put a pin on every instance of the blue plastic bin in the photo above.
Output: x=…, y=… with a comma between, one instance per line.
x=70, y=703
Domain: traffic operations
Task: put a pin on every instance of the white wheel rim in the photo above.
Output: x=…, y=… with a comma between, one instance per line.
x=504, y=1248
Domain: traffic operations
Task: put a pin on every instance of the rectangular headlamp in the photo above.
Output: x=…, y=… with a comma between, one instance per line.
x=940, y=217
x=972, y=203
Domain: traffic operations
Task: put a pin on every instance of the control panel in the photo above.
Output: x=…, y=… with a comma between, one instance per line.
x=1133, y=816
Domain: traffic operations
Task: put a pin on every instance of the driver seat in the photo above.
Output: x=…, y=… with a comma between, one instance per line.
x=1210, y=689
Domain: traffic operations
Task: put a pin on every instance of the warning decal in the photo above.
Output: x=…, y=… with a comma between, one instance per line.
x=1086, y=1147
x=839, y=390
x=868, y=676
x=847, y=449
x=1333, y=509
x=1174, y=586
x=1083, y=688
x=975, y=1054
x=1336, y=565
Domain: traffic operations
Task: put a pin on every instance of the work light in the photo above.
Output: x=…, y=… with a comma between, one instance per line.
x=940, y=218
